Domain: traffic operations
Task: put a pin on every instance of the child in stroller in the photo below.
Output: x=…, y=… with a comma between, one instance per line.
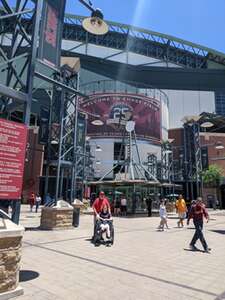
x=104, y=225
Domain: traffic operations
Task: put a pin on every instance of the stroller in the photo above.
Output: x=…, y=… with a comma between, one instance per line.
x=98, y=234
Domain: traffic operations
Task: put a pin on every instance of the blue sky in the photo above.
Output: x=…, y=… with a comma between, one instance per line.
x=199, y=21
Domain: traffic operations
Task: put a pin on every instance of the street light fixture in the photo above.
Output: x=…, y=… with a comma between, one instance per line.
x=97, y=122
x=98, y=148
x=168, y=151
x=207, y=124
x=54, y=142
x=219, y=146
x=95, y=23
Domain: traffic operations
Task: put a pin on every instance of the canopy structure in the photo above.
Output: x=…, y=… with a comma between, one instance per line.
x=125, y=182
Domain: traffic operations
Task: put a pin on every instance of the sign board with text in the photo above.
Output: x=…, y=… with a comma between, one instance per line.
x=13, y=138
x=144, y=111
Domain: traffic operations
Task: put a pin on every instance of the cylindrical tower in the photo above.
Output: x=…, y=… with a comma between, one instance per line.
x=109, y=100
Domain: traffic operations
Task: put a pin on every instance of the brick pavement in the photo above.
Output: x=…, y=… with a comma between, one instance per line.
x=143, y=264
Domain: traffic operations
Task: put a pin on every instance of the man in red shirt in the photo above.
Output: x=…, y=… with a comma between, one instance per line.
x=98, y=204
x=197, y=213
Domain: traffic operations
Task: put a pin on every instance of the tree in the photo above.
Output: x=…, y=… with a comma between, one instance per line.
x=212, y=175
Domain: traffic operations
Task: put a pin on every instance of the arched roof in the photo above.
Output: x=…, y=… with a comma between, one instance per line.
x=164, y=50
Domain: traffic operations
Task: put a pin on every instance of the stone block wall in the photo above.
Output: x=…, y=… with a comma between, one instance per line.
x=10, y=255
x=56, y=218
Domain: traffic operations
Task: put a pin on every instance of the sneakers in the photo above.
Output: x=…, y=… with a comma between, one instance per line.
x=193, y=248
x=207, y=250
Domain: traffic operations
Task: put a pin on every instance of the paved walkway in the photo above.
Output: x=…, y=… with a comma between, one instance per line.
x=142, y=264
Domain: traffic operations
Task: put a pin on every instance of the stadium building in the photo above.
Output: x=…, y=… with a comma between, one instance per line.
x=130, y=67
x=156, y=77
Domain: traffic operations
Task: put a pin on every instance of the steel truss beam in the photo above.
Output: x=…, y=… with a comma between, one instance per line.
x=137, y=40
x=62, y=133
x=18, y=84
x=193, y=159
x=166, y=162
x=152, y=164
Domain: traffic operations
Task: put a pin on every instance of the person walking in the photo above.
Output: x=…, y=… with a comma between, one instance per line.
x=197, y=213
x=92, y=199
x=163, y=215
x=149, y=206
x=181, y=210
x=32, y=200
x=37, y=203
x=123, y=205
x=117, y=208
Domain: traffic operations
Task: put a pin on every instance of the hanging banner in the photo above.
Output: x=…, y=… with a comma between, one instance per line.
x=81, y=130
x=51, y=31
x=13, y=138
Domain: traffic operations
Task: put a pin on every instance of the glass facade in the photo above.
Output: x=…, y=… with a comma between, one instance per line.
x=220, y=102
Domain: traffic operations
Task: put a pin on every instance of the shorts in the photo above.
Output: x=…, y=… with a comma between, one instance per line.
x=123, y=208
x=182, y=215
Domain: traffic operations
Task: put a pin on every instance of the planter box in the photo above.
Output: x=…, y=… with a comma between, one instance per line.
x=10, y=255
x=57, y=217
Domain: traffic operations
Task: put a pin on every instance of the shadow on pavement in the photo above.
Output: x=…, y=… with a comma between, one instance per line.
x=27, y=275
x=195, y=250
x=218, y=231
x=32, y=228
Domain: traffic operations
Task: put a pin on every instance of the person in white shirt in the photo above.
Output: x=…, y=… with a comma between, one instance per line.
x=123, y=205
x=163, y=215
x=37, y=202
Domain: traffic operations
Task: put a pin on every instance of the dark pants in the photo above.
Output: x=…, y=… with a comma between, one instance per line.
x=199, y=234
x=37, y=206
x=149, y=211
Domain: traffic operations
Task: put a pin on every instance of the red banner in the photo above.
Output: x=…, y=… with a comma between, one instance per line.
x=12, y=154
x=51, y=31
x=145, y=111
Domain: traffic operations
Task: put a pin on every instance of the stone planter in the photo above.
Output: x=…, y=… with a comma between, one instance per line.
x=10, y=255
x=57, y=217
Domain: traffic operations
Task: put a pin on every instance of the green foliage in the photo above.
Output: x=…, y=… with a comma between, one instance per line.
x=212, y=175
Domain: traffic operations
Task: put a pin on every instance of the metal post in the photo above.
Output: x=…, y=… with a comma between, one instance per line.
x=74, y=175
x=186, y=163
x=60, y=145
x=31, y=69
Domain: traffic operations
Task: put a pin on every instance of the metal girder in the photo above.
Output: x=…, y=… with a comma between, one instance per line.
x=17, y=88
x=162, y=78
x=166, y=162
x=145, y=42
x=192, y=159
x=60, y=84
x=61, y=146
x=12, y=94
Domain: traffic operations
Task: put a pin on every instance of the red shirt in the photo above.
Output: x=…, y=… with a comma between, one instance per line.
x=99, y=203
x=197, y=212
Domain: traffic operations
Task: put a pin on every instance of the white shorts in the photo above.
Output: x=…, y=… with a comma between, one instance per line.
x=104, y=227
x=182, y=215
